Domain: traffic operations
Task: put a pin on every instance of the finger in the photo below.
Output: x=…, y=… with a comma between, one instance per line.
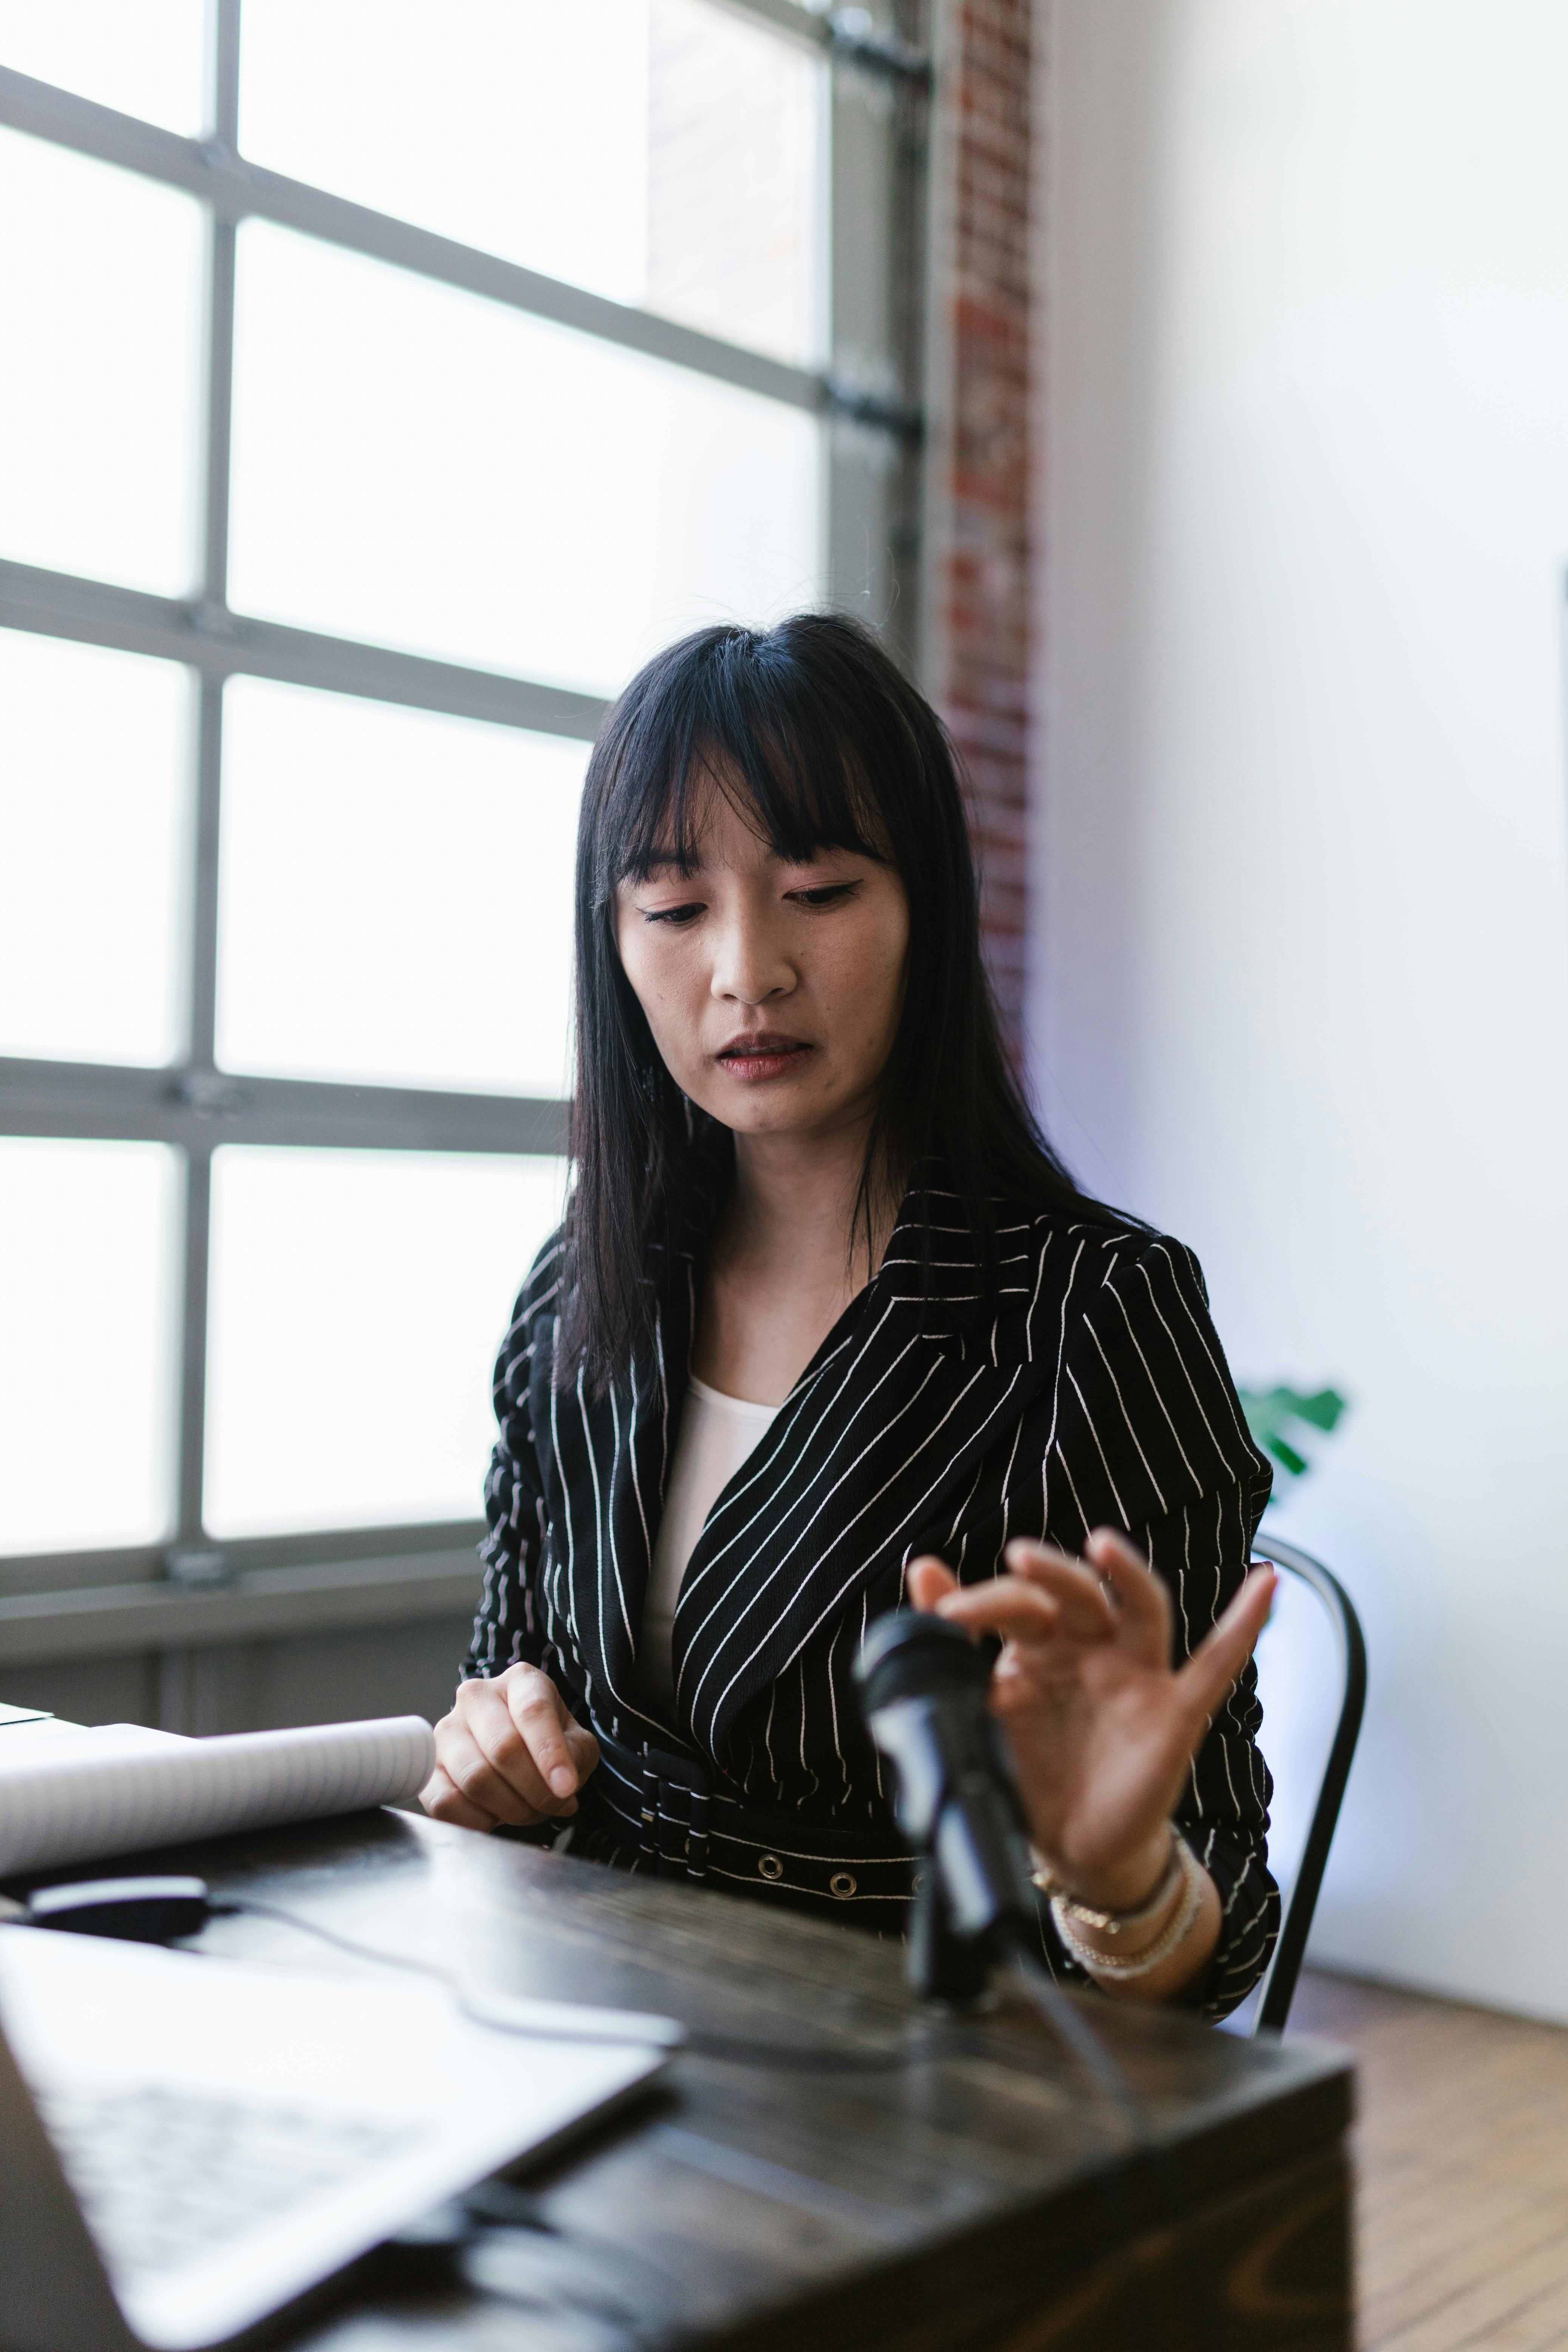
x=474, y=1777
x=1206, y=1680
x=540, y=1716
x=489, y=1713
x=445, y=1802
x=927, y=1579
x=583, y=1747
x=1145, y=1604
x=1087, y=1612
x=1006, y=1605
x=1028, y=1556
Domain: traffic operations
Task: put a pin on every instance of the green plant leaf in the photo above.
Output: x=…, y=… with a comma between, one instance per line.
x=1271, y=1413
x=1322, y=1410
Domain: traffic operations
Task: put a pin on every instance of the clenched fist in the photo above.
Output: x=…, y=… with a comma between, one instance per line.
x=509, y=1751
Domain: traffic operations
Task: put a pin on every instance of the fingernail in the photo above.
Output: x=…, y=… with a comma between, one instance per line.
x=564, y=1779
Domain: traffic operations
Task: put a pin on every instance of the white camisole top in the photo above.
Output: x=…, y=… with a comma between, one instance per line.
x=717, y=1434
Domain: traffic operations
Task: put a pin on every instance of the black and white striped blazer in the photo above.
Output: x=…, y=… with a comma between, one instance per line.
x=1084, y=1386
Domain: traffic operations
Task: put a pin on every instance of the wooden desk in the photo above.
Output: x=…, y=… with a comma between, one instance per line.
x=978, y=2196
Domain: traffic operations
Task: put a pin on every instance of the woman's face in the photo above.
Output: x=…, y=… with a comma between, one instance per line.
x=772, y=989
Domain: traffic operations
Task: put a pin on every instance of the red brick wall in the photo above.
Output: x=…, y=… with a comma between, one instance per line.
x=980, y=582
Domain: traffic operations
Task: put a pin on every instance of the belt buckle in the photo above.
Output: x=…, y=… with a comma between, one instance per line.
x=660, y=1771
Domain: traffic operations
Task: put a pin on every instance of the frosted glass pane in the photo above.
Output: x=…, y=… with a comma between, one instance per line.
x=419, y=468
x=89, y=1301
x=661, y=152
x=95, y=762
x=141, y=57
x=736, y=179
x=358, y=1299
x=101, y=292
x=416, y=873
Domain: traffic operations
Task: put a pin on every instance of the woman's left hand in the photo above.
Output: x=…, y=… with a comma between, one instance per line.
x=1101, y=1729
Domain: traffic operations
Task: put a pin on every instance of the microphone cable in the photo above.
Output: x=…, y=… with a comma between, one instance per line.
x=168, y=1910
x=1061, y=2013
x=1079, y=2037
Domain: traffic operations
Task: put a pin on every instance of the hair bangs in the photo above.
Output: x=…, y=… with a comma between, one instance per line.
x=791, y=770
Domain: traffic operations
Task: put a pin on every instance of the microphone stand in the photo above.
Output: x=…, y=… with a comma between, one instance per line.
x=942, y=1963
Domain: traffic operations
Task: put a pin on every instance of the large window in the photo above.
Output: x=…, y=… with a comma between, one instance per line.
x=384, y=381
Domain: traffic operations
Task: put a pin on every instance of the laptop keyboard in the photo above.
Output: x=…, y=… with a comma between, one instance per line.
x=164, y=2176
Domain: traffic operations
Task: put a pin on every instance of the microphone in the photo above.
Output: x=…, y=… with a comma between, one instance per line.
x=922, y=1686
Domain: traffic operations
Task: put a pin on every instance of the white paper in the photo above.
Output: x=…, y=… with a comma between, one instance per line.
x=109, y=1793
x=98, y=1739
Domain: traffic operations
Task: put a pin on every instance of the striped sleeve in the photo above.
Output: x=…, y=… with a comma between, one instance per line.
x=508, y=1627
x=1150, y=1437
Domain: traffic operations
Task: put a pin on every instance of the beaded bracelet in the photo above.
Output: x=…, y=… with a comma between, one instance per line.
x=1117, y=1923
x=1145, y=1963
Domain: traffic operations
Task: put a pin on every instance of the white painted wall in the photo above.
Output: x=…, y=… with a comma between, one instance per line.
x=1301, y=984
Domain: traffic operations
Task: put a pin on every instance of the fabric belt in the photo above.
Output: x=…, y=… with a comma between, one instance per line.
x=674, y=1815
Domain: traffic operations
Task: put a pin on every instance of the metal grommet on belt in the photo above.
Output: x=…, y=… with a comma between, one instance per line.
x=843, y=1884
x=770, y=1866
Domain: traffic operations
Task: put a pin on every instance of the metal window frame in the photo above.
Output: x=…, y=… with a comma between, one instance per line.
x=194, y=1106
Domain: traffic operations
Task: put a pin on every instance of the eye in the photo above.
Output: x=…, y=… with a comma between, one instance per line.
x=825, y=894
x=677, y=917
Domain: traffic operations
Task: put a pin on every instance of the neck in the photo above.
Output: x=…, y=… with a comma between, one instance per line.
x=785, y=1260
x=794, y=1197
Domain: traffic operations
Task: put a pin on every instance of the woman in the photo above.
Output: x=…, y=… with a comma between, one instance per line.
x=828, y=1329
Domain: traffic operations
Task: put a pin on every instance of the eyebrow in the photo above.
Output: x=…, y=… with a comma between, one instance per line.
x=666, y=861
x=667, y=864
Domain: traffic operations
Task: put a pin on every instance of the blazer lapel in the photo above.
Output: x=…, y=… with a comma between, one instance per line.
x=904, y=1396
x=605, y=1463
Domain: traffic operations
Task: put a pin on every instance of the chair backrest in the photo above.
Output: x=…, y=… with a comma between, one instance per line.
x=1311, y=1679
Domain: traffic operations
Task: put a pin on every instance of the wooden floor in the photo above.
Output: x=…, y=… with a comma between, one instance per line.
x=1462, y=2169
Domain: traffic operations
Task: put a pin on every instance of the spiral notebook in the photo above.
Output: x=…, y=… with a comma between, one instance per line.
x=73, y=1795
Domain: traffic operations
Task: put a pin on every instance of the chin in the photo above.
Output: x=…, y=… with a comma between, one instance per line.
x=769, y=1111
x=764, y=1118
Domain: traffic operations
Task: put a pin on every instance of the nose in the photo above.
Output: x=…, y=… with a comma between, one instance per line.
x=749, y=964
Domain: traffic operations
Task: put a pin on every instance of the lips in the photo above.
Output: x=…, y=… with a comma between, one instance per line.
x=766, y=1054
x=764, y=1041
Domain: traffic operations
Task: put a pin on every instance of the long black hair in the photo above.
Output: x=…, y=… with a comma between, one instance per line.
x=816, y=733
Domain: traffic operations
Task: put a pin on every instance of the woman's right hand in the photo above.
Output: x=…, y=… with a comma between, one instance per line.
x=510, y=1751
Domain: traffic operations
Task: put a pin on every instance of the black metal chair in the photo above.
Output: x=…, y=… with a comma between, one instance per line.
x=1267, y=2008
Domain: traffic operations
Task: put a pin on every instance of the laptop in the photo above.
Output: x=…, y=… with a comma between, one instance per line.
x=187, y=2143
